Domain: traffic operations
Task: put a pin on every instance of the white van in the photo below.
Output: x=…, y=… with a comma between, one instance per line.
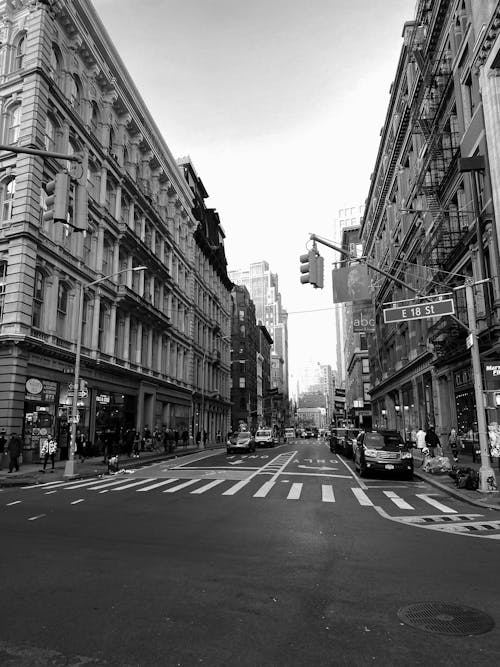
x=289, y=433
x=264, y=438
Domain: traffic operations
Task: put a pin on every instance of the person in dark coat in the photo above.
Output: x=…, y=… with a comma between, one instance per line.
x=432, y=440
x=14, y=448
x=205, y=438
x=185, y=437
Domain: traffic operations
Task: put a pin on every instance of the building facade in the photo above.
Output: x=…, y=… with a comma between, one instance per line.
x=262, y=286
x=64, y=89
x=430, y=217
x=245, y=350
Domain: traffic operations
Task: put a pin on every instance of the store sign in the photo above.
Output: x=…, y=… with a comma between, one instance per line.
x=43, y=391
x=419, y=311
x=492, y=375
x=103, y=398
x=363, y=318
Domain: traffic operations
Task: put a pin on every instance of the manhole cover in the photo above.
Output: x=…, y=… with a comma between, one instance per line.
x=446, y=618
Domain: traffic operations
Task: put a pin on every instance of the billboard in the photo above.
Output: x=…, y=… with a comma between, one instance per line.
x=363, y=317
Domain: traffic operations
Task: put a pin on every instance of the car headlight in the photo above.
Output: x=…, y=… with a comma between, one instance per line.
x=406, y=455
x=371, y=452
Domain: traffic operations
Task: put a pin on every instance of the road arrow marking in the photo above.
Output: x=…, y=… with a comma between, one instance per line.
x=235, y=463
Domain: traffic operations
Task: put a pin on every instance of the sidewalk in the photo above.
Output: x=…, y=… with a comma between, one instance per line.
x=446, y=484
x=31, y=473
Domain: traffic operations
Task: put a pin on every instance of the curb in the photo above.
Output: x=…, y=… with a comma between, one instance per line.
x=454, y=492
x=137, y=463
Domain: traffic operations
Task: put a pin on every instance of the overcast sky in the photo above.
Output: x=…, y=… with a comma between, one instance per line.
x=279, y=104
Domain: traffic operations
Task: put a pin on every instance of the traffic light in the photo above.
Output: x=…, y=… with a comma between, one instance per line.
x=57, y=201
x=311, y=268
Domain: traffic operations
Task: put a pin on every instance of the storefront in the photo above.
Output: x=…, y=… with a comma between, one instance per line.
x=40, y=415
x=465, y=401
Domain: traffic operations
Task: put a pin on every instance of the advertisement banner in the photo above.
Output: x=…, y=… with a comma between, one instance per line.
x=363, y=317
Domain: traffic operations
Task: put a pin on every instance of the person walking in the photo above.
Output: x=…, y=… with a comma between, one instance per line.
x=48, y=451
x=455, y=443
x=420, y=438
x=14, y=448
x=432, y=440
x=185, y=437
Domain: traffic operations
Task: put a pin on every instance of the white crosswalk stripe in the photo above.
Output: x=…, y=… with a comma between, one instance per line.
x=295, y=491
x=327, y=494
x=173, y=489
x=157, y=485
x=402, y=504
x=435, y=503
x=236, y=487
x=361, y=497
x=132, y=484
x=102, y=485
x=207, y=487
x=264, y=490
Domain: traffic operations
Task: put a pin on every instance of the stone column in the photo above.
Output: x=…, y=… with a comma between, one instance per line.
x=100, y=248
x=126, y=337
x=95, y=322
x=110, y=343
x=149, y=360
x=118, y=203
x=159, y=352
x=116, y=259
x=102, y=188
x=138, y=346
x=130, y=273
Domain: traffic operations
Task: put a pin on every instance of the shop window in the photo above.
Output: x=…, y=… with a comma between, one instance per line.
x=7, y=194
x=3, y=277
x=13, y=125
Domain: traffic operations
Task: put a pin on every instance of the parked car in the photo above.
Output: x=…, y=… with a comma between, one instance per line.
x=240, y=442
x=350, y=442
x=264, y=438
x=337, y=444
x=383, y=451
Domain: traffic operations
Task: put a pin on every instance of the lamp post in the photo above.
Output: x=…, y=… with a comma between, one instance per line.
x=69, y=469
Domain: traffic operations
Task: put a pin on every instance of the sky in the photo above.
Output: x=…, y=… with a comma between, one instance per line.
x=279, y=104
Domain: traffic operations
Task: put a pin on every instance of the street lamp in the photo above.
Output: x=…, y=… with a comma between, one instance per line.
x=69, y=470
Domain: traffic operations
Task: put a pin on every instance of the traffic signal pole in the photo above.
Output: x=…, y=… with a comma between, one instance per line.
x=487, y=481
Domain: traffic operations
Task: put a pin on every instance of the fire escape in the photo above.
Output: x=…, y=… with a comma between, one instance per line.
x=446, y=223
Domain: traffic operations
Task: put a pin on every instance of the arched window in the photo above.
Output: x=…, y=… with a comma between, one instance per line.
x=75, y=93
x=20, y=49
x=38, y=298
x=7, y=193
x=62, y=309
x=55, y=63
x=14, y=125
x=50, y=139
x=94, y=119
x=111, y=141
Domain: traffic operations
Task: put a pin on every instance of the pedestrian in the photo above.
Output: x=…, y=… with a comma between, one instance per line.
x=205, y=438
x=14, y=448
x=137, y=444
x=129, y=442
x=48, y=451
x=3, y=442
x=455, y=442
x=219, y=437
x=176, y=437
x=185, y=437
x=432, y=441
x=81, y=445
x=198, y=438
x=420, y=438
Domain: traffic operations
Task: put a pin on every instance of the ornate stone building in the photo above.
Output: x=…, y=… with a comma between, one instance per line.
x=64, y=88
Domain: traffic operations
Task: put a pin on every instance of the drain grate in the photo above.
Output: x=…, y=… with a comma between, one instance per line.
x=446, y=618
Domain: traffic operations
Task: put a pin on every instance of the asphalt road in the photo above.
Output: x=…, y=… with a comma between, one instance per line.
x=282, y=557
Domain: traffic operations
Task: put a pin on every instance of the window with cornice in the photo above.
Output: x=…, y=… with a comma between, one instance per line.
x=19, y=53
x=13, y=124
x=55, y=63
x=7, y=195
x=75, y=93
x=62, y=309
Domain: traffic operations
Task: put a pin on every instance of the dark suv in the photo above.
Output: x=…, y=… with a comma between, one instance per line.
x=382, y=451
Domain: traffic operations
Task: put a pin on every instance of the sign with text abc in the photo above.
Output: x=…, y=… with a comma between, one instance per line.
x=419, y=311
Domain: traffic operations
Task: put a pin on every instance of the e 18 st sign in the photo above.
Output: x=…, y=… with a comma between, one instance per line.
x=419, y=311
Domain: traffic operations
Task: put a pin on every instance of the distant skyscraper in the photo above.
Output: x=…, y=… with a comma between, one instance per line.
x=349, y=216
x=262, y=285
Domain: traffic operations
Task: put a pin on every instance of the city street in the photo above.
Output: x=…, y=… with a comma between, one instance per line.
x=281, y=557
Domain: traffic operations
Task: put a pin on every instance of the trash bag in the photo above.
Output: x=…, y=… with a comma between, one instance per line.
x=438, y=465
x=467, y=478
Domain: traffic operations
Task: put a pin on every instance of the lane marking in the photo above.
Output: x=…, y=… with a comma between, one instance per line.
x=157, y=485
x=132, y=484
x=105, y=491
x=190, y=482
x=236, y=487
x=208, y=486
x=327, y=495
x=295, y=491
x=14, y=502
x=435, y=503
x=264, y=490
x=361, y=497
x=48, y=493
x=80, y=500
x=353, y=474
x=402, y=504
x=38, y=516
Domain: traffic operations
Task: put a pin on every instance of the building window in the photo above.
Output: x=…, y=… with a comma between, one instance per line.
x=242, y=383
x=365, y=364
x=14, y=125
x=3, y=277
x=62, y=309
x=38, y=294
x=94, y=119
x=50, y=134
x=19, y=52
x=75, y=93
x=366, y=389
x=7, y=193
x=101, y=339
x=55, y=63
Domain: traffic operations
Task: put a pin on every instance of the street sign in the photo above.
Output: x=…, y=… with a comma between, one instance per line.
x=469, y=341
x=419, y=311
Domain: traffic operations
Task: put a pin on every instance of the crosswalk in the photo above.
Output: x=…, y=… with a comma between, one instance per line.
x=258, y=487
